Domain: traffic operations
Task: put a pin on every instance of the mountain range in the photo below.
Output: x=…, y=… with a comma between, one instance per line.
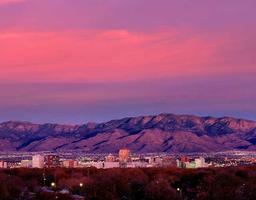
x=161, y=133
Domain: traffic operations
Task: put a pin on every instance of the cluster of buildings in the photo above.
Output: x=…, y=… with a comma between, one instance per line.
x=233, y=161
x=185, y=162
x=37, y=161
x=124, y=159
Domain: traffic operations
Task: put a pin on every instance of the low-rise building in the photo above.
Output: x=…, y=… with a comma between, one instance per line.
x=200, y=163
x=70, y=163
x=108, y=165
x=26, y=163
x=3, y=164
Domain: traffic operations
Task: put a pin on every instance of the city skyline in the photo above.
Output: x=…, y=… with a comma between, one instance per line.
x=76, y=62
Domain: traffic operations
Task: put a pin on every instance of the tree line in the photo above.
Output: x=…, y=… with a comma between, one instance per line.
x=236, y=183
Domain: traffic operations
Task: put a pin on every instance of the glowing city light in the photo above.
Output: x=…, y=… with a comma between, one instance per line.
x=53, y=184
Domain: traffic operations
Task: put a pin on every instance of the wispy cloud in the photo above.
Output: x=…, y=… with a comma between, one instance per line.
x=121, y=55
x=103, y=55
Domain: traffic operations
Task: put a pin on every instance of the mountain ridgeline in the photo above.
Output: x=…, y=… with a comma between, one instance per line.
x=161, y=133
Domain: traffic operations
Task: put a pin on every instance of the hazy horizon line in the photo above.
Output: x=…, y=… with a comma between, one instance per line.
x=128, y=116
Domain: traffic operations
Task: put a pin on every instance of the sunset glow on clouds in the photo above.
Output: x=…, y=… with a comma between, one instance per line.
x=109, y=55
x=118, y=55
x=62, y=61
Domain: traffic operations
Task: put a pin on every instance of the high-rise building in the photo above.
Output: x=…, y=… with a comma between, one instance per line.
x=178, y=163
x=124, y=155
x=184, y=161
x=38, y=161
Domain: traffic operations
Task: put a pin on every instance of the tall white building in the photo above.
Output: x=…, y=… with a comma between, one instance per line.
x=38, y=161
x=200, y=162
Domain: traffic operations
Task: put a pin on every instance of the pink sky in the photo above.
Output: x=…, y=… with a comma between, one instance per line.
x=117, y=58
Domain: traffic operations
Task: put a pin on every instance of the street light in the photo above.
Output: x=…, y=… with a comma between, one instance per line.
x=53, y=184
x=179, y=191
x=81, y=184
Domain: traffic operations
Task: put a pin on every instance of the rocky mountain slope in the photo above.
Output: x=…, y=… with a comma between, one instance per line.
x=161, y=133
